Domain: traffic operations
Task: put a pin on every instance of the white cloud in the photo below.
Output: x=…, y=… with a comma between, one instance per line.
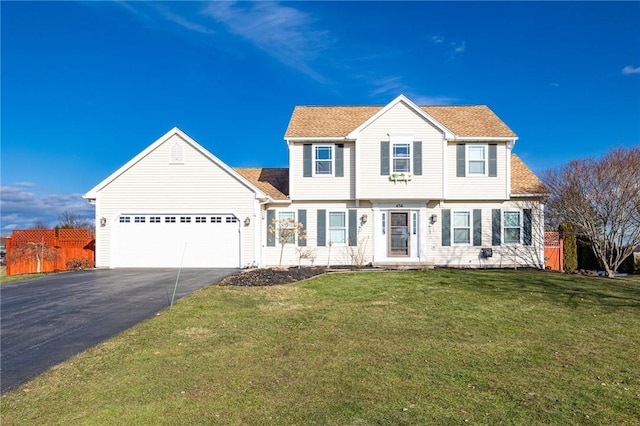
x=459, y=47
x=182, y=21
x=432, y=100
x=630, y=70
x=438, y=39
x=21, y=207
x=282, y=32
x=393, y=86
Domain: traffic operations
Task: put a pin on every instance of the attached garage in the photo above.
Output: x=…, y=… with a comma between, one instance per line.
x=176, y=204
x=176, y=240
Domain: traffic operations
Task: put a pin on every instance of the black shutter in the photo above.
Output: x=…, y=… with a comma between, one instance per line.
x=353, y=227
x=526, y=224
x=307, y=162
x=496, y=227
x=477, y=227
x=446, y=227
x=302, y=218
x=460, y=160
x=417, y=158
x=493, y=160
x=339, y=160
x=271, y=238
x=384, y=158
x=322, y=228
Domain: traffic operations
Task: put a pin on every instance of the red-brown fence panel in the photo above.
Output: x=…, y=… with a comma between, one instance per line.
x=41, y=250
x=553, y=251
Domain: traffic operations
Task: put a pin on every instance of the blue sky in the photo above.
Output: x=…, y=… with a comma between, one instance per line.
x=88, y=85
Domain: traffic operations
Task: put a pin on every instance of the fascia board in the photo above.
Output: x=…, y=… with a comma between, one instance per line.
x=322, y=139
x=484, y=138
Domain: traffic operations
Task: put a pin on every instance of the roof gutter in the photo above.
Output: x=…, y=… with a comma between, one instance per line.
x=486, y=138
x=319, y=138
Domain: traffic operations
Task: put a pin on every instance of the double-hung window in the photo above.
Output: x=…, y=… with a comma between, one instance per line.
x=512, y=227
x=337, y=228
x=323, y=160
x=286, y=227
x=401, y=158
x=476, y=160
x=461, y=225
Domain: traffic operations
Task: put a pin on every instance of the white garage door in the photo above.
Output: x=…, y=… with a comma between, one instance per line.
x=171, y=241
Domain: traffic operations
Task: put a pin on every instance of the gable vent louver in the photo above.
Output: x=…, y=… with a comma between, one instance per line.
x=176, y=154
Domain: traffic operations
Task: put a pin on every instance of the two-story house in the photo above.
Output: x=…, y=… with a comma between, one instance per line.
x=398, y=184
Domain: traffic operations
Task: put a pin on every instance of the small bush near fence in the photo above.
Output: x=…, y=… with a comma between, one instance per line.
x=78, y=263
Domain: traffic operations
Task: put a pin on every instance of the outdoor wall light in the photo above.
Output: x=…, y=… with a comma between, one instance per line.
x=247, y=221
x=103, y=222
x=433, y=219
x=363, y=219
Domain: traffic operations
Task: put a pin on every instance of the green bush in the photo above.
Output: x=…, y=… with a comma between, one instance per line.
x=570, y=246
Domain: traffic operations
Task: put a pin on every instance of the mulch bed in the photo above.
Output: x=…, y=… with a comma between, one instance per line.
x=271, y=276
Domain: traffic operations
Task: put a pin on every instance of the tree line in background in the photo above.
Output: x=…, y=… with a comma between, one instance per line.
x=596, y=202
x=66, y=220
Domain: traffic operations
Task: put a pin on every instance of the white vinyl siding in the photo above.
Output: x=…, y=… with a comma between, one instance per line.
x=336, y=254
x=476, y=187
x=399, y=120
x=328, y=188
x=153, y=185
x=467, y=256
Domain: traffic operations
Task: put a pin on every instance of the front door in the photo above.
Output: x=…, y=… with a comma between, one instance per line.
x=399, y=234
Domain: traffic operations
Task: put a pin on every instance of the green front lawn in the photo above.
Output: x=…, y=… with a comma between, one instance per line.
x=4, y=278
x=420, y=347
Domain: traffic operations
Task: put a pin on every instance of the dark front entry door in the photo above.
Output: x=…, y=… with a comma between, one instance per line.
x=399, y=234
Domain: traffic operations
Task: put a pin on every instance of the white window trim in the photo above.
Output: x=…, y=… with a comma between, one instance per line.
x=295, y=220
x=410, y=158
x=332, y=147
x=502, y=227
x=467, y=159
x=453, y=227
x=346, y=228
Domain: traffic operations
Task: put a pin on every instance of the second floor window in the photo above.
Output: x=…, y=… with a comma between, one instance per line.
x=477, y=160
x=401, y=161
x=323, y=160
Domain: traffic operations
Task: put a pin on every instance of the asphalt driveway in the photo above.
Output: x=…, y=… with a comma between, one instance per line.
x=48, y=320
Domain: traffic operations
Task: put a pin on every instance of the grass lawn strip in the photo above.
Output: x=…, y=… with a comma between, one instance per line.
x=419, y=347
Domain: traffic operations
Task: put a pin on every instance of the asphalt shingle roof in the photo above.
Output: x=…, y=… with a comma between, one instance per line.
x=523, y=180
x=272, y=181
x=339, y=121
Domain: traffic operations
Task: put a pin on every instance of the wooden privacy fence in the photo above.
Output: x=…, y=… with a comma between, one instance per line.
x=553, y=251
x=41, y=250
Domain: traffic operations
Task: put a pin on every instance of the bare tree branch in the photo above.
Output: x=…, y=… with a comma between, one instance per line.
x=601, y=198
